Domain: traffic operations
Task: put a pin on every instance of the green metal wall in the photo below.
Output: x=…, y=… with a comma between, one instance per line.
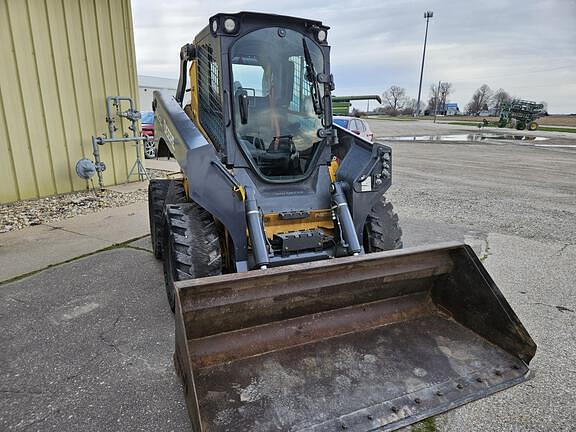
x=59, y=61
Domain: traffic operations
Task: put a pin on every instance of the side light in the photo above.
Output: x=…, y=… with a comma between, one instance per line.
x=321, y=36
x=214, y=26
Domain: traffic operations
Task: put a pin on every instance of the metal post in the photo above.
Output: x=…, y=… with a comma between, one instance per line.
x=427, y=15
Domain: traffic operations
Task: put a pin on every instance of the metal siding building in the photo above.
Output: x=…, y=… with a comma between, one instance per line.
x=60, y=59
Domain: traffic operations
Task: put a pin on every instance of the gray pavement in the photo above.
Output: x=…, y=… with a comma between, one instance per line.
x=88, y=345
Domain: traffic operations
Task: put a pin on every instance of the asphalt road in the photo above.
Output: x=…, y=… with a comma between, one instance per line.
x=88, y=345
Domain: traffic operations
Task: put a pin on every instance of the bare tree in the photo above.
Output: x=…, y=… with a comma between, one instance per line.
x=432, y=99
x=444, y=91
x=480, y=100
x=395, y=99
x=440, y=92
x=409, y=106
x=500, y=97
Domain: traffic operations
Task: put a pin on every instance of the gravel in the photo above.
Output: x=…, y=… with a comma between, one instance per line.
x=516, y=190
x=21, y=214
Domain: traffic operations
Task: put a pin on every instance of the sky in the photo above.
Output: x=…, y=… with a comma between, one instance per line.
x=526, y=47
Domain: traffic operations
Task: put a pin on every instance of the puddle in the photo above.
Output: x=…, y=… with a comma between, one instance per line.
x=467, y=137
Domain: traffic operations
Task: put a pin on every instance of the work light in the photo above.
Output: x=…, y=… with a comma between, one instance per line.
x=229, y=25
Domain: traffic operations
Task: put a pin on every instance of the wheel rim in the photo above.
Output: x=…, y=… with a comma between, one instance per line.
x=150, y=149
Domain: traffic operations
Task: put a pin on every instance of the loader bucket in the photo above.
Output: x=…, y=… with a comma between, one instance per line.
x=373, y=342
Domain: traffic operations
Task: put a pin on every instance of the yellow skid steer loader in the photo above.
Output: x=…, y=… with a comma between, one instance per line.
x=295, y=307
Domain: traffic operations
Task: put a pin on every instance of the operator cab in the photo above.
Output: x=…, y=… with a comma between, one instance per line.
x=274, y=117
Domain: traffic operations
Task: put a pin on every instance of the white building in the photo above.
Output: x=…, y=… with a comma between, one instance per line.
x=147, y=85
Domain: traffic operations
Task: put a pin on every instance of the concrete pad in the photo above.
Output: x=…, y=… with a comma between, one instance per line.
x=143, y=243
x=115, y=225
x=162, y=164
x=38, y=247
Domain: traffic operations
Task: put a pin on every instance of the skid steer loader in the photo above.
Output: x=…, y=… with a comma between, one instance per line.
x=295, y=307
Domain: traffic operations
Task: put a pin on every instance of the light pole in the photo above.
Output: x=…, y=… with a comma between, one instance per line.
x=427, y=15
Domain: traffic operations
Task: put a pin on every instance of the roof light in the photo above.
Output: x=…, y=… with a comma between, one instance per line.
x=321, y=35
x=229, y=25
x=215, y=26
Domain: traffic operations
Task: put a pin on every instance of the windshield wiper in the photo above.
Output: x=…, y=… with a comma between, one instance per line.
x=312, y=79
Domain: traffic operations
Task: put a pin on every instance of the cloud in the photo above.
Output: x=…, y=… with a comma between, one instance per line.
x=527, y=48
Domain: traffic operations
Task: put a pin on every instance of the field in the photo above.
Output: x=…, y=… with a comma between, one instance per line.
x=552, y=120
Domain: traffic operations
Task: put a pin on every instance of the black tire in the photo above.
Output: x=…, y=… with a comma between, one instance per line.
x=161, y=192
x=382, y=230
x=520, y=125
x=192, y=246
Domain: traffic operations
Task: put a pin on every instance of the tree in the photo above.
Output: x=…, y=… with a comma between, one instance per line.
x=440, y=92
x=480, y=100
x=356, y=113
x=500, y=97
x=432, y=100
x=409, y=106
x=394, y=99
x=444, y=91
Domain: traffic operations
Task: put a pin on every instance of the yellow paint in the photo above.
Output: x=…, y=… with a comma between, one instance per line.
x=194, y=92
x=317, y=219
x=60, y=59
x=194, y=114
x=186, y=186
x=332, y=168
x=241, y=192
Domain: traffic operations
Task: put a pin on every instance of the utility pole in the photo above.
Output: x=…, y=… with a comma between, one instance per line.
x=427, y=15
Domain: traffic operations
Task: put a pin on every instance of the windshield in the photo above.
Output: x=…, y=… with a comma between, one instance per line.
x=274, y=116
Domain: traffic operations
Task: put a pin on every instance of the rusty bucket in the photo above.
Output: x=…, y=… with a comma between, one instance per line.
x=366, y=343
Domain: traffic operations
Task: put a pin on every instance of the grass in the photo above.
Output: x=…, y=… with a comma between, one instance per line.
x=554, y=129
x=470, y=123
x=544, y=128
x=495, y=124
x=428, y=425
x=391, y=118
